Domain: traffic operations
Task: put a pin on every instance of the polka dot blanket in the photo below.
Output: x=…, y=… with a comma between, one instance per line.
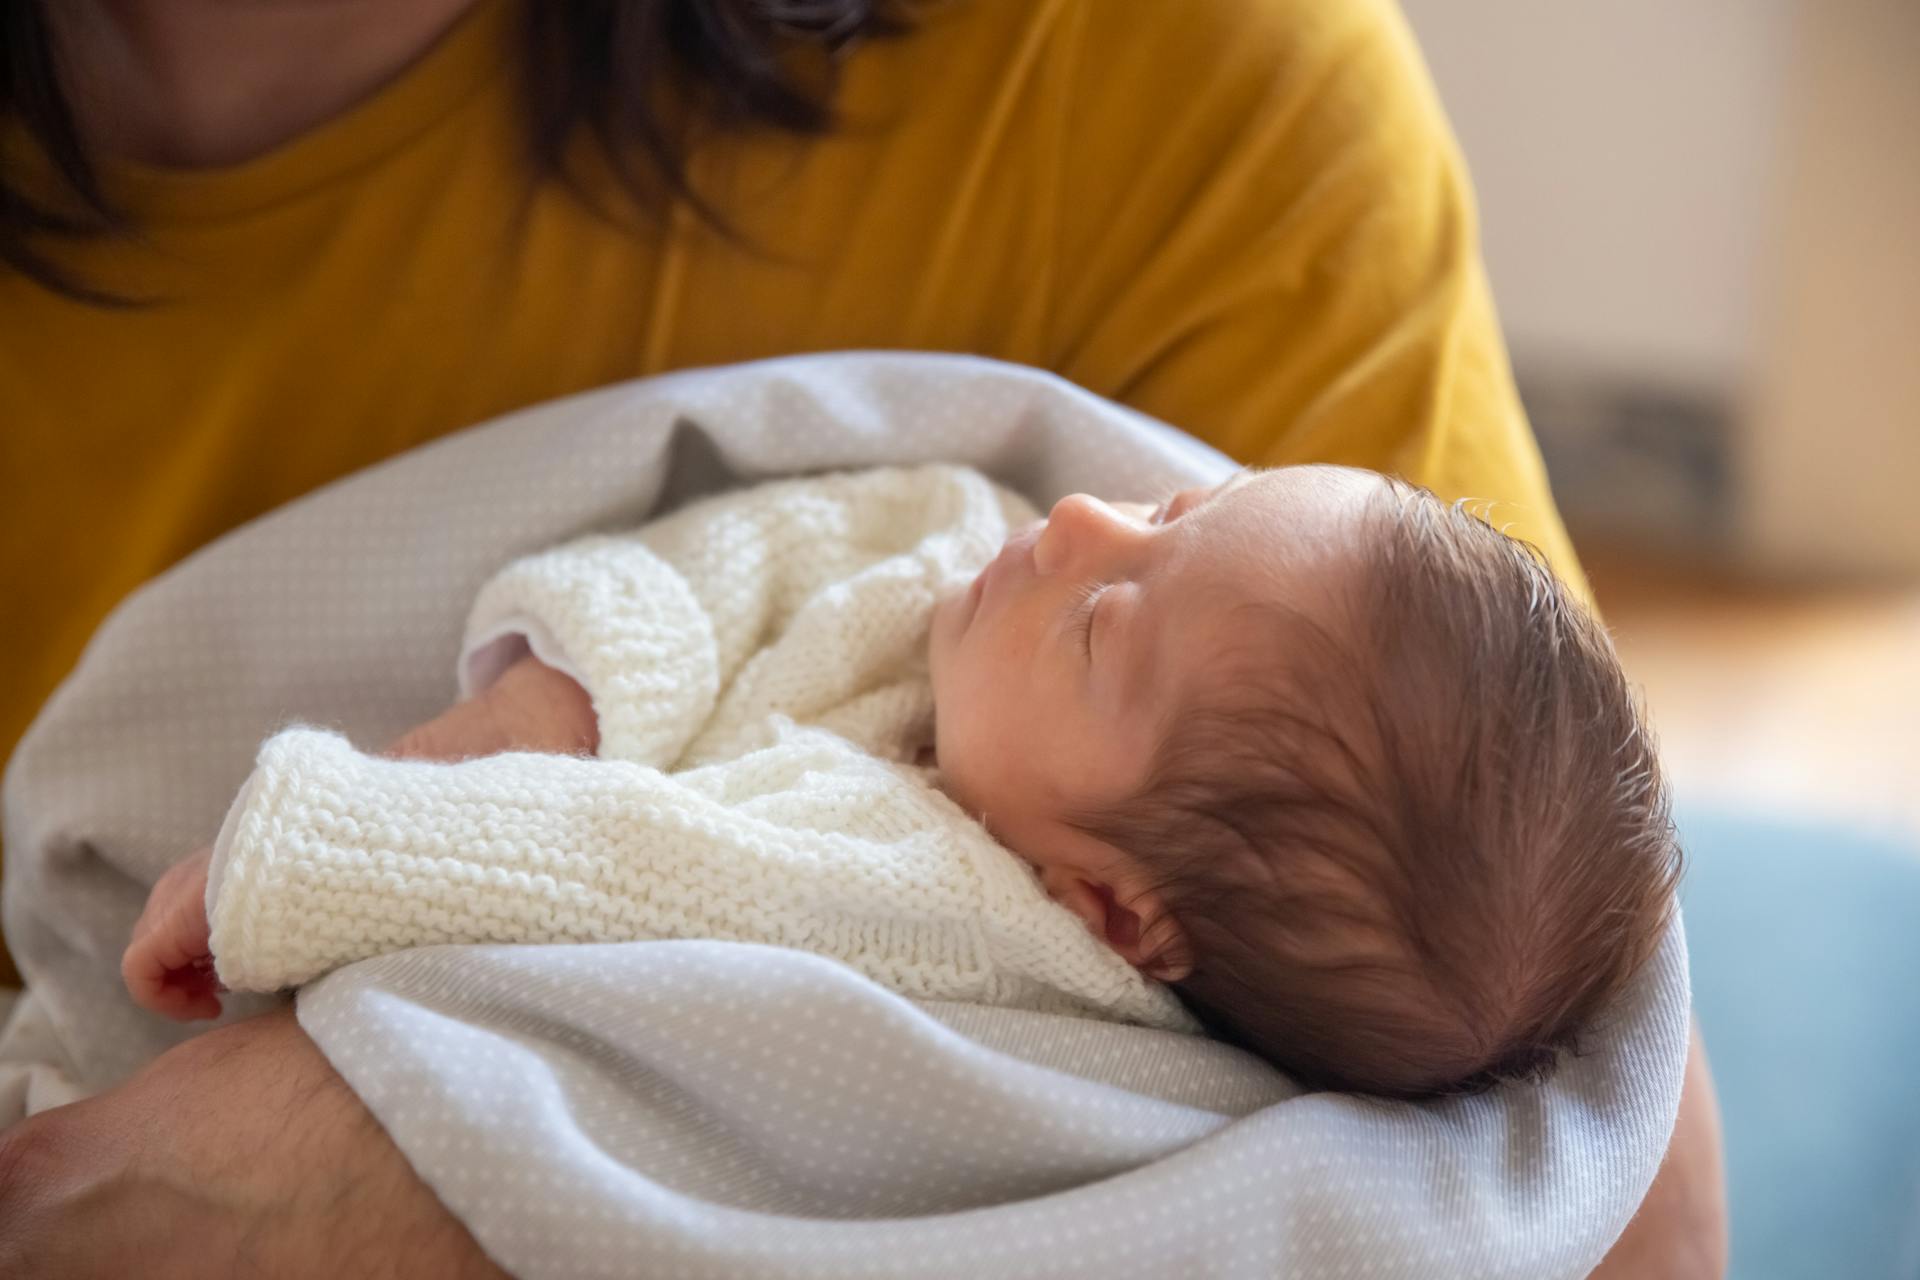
x=705, y=1109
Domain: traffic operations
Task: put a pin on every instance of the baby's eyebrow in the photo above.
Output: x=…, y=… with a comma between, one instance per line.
x=1232, y=482
x=1222, y=489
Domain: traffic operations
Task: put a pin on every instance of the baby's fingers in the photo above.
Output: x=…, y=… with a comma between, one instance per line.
x=184, y=990
x=168, y=968
x=190, y=993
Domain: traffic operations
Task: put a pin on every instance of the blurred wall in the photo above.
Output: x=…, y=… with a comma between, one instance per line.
x=1699, y=218
x=1834, y=464
x=1625, y=156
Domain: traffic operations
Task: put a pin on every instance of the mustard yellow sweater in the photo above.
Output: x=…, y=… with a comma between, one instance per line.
x=1245, y=217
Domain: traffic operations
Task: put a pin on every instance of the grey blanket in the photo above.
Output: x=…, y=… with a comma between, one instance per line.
x=704, y=1109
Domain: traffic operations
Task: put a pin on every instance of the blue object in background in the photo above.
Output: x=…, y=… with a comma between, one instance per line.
x=1805, y=949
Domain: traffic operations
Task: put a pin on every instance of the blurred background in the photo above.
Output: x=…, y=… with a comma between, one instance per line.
x=1702, y=221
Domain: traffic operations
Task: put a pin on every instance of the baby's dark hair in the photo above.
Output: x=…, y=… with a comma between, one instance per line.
x=1422, y=849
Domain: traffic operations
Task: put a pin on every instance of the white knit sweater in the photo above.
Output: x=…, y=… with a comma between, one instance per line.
x=758, y=665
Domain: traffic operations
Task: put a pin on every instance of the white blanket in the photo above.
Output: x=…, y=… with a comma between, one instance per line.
x=704, y=1109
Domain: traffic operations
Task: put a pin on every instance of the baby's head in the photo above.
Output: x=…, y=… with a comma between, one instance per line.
x=1347, y=766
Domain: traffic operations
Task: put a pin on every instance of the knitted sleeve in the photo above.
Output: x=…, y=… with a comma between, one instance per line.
x=618, y=619
x=792, y=598
x=331, y=856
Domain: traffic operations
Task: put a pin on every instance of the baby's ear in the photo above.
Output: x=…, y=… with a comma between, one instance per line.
x=1166, y=967
x=1163, y=946
x=1142, y=932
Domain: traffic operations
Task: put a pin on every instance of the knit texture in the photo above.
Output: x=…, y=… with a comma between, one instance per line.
x=758, y=664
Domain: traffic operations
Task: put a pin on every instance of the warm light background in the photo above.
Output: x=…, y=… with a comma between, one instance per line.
x=1719, y=201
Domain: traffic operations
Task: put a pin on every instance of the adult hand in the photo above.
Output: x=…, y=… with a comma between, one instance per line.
x=238, y=1153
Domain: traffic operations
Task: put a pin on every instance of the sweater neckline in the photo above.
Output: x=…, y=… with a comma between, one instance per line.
x=467, y=56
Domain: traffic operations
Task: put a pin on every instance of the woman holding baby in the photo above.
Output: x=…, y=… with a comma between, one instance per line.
x=252, y=248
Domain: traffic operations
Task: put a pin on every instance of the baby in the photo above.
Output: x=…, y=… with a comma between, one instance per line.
x=1309, y=760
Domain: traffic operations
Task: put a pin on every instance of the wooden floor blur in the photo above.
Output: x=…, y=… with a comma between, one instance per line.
x=1775, y=701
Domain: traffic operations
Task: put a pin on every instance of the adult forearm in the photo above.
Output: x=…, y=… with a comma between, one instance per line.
x=1680, y=1232
x=239, y=1153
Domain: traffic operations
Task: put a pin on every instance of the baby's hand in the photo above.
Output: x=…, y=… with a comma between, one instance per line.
x=168, y=967
x=531, y=707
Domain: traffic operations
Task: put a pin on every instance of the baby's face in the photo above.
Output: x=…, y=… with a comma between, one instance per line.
x=1057, y=672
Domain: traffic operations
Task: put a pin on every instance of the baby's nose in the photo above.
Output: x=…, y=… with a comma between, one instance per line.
x=1077, y=507
x=1080, y=529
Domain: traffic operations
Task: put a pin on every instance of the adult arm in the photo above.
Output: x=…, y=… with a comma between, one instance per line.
x=238, y=1153
x=1680, y=1232
x=242, y=1152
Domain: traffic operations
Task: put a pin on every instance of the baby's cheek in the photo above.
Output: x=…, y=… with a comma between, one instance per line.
x=975, y=749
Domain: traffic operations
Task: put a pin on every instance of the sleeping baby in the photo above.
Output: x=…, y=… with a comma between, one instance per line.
x=1309, y=760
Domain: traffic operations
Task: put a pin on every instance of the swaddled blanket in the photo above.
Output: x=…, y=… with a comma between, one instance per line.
x=714, y=1109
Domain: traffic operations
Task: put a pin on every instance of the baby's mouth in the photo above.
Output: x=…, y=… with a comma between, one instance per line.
x=1017, y=546
x=954, y=607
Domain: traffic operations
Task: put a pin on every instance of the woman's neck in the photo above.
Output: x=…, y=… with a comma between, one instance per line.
x=205, y=83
